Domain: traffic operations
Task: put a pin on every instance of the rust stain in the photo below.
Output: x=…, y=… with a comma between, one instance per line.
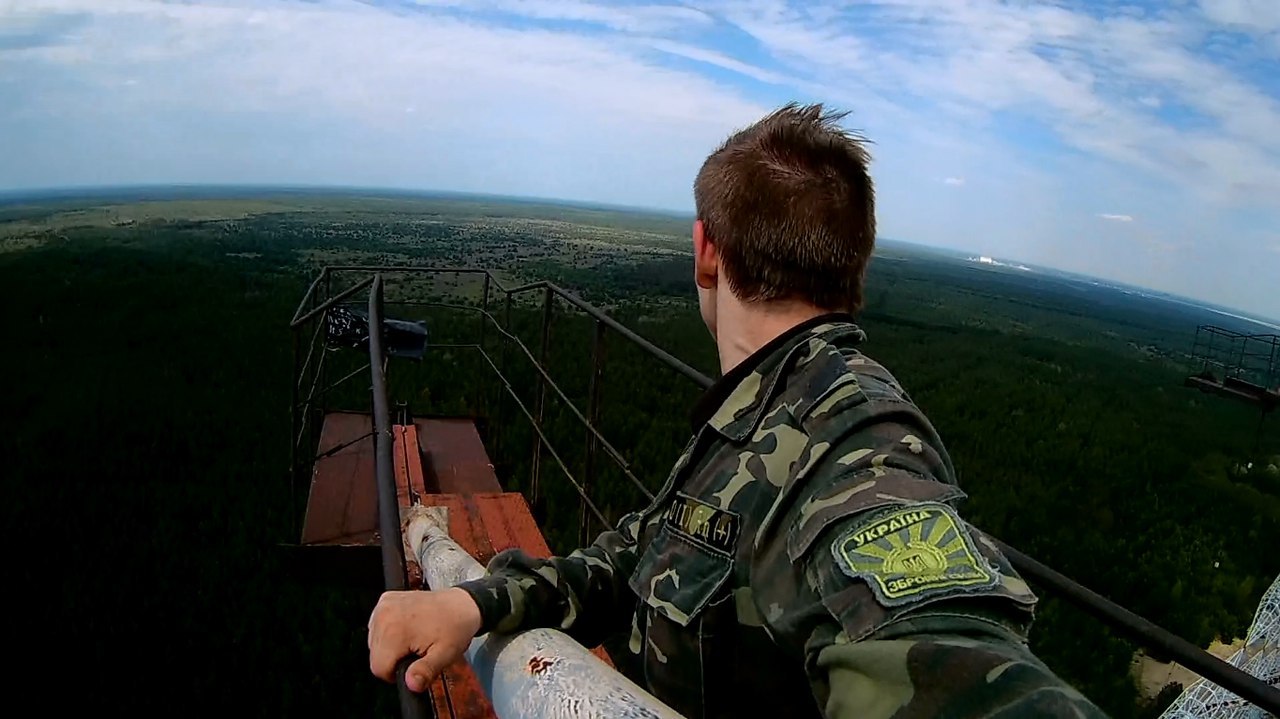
x=538, y=665
x=603, y=656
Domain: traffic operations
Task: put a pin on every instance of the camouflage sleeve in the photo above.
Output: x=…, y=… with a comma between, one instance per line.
x=897, y=607
x=584, y=594
x=902, y=636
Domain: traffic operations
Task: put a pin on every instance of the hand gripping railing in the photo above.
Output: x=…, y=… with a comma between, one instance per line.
x=534, y=674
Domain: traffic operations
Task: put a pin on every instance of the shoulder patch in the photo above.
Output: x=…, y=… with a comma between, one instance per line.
x=912, y=553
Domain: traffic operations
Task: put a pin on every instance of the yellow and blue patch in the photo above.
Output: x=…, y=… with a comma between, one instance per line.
x=912, y=553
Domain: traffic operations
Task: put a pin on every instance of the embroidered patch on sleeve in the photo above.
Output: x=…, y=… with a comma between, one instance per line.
x=912, y=553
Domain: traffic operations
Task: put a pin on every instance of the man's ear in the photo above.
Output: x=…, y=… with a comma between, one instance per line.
x=706, y=259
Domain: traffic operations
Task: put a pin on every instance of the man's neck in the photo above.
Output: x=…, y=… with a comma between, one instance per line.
x=744, y=328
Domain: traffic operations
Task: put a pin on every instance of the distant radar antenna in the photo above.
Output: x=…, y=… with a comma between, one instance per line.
x=1259, y=657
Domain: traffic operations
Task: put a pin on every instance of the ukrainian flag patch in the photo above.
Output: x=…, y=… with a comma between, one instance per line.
x=912, y=553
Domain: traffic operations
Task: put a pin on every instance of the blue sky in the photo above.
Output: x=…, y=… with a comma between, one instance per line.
x=1135, y=141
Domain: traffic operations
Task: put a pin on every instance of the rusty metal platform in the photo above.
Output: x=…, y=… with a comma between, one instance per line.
x=437, y=462
x=446, y=456
x=1257, y=395
x=454, y=458
x=342, y=506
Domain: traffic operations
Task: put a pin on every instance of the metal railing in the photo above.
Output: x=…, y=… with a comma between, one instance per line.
x=1250, y=358
x=394, y=575
x=1125, y=622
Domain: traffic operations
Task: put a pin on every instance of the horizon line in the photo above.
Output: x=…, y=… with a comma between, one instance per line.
x=68, y=192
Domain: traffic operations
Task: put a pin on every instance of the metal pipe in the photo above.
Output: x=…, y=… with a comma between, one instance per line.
x=603, y=443
x=481, y=405
x=657, y=352
x=535, y=674
x=335, y=384
x=317, y=376
x=542, y=437
x=324, y=272
x=393, y=569
x=293, y=447
x=311, y=350
x=593, y=415
x=660, y=354
x=534, y=495
x=505, y=328
x=1147, y=633
x=484, y=308
x=333, y=301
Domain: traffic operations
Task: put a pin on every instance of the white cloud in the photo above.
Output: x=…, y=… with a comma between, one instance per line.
x=1050, y=110
x=1260, y=16
x=550, y=112
x=1097, y=82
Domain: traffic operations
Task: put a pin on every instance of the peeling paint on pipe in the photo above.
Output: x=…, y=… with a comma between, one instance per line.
x=535, y=674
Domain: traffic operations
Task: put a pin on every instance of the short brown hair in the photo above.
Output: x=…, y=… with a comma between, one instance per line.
x=789, y=204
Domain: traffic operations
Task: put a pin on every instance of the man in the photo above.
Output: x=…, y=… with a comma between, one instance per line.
x=804, y=556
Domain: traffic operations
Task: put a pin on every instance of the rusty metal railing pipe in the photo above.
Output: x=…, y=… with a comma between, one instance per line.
x=542, y=437
x=536, y=473
x=324, y=306
x=1147, y=632
x=596, y=313
x=534, y=674
x=306, y=298
x=593, y=418
x=412, y=706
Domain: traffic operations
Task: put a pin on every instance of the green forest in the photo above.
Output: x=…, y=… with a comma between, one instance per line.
x=146, y=431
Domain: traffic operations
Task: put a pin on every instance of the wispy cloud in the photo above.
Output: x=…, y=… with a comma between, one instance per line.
x=1116, y=218
x=956, y=181
x=1259, y=16
x=647, y=18
x=718, y=59
x=1072, y=71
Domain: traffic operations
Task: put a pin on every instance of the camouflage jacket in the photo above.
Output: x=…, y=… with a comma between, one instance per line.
x=804, y=556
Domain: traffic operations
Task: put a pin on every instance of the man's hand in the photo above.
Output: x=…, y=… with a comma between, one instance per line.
x=436, y=626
